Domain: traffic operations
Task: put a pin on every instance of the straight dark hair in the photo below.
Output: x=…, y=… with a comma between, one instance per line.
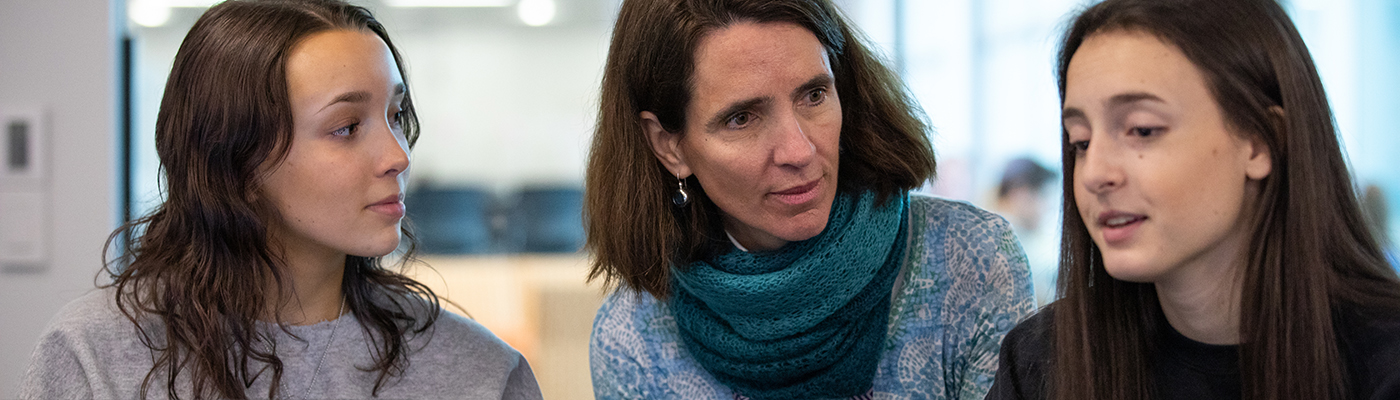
x=1310, y=260
x=634, y=232
x=200, y=273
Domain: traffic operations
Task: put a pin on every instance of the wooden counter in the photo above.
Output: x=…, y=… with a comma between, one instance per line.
x=538, y=303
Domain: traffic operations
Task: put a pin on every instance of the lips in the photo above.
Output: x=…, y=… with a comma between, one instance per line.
x=799, y=194
x=1118, y=227
x=391, y=206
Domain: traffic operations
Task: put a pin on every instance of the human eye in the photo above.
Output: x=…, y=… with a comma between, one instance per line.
x=397, y=119
x=816, y=96
x=1079, y=147
x=739, y=121
x=1077, y=135
x=1145, y=132
x=345, y=131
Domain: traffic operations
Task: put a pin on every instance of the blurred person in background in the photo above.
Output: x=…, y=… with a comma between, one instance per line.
x=747, y=194
x=1021, y=199
x=284, y=136
x=1218, y=250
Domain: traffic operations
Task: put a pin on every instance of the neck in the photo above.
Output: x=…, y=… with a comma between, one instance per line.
x=314, y=278
x=1203, y=300
x=751, y=240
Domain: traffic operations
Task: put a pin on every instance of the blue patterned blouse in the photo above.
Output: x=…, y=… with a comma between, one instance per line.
x=962, y=287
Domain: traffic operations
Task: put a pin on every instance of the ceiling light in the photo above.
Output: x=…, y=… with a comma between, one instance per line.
x=536, y=12
x=148, y=13
x=447, y=3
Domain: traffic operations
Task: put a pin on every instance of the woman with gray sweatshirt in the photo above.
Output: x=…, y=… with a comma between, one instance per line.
x=284, y=136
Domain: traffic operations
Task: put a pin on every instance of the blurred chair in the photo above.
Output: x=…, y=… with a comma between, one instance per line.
x=451, y=220
x=547, y=220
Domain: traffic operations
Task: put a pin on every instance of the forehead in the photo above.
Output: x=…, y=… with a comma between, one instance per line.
x=1116, y=62
x=746, y=56
x=338, y=60
x=755, y=45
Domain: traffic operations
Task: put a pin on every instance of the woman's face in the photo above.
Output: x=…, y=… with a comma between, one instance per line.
x=340, y=188
x=1161, y=181
x=762, y=132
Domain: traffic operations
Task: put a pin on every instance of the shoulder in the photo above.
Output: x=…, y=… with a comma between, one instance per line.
x=93, y=317
x=971, y=249
x=628, y=310
x=88, y=349
x=962, y=232
x=636, y=352
x=458, y=338
x=1030, y=339
x=1025, y=358
x=450, y=333
x=452, y=341
x=947, y=213
x=618, y=356
x=1371, y=343
x=94, y=306
x=459, y=358
x=626, y=321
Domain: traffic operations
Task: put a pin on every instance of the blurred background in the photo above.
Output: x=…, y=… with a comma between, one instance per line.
x=506, y=92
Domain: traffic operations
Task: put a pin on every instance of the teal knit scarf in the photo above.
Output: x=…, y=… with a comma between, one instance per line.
x=805, y=321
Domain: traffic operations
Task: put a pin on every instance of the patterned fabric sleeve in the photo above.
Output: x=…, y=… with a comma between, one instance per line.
x=615, y=353
x=999, y=286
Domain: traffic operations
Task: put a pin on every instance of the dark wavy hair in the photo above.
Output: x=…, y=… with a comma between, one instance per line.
x=198, y=273
x=1310, y=259
x=634, y=232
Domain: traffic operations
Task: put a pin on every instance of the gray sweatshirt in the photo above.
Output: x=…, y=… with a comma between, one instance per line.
x=90, y=350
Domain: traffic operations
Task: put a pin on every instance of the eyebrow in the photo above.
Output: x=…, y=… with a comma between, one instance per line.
x=1123, y=99
x=360, y=96
x=822, y=80
x=1117, y=101
x=723, y=116
x=1071, y=113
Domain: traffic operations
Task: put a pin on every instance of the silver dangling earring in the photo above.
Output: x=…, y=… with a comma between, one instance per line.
x=681, y=198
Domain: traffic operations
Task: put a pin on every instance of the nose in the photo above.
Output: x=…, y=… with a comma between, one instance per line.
x=1098, y=169
x=391, y=149
x=793, y=147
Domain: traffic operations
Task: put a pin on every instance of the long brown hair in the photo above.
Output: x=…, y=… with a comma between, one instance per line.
x=1310, y=259
x=198, y=273
x=634, y=232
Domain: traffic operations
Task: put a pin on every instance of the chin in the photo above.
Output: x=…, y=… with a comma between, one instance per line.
x=377, y=248
x=1128, y=268
x=805, y=228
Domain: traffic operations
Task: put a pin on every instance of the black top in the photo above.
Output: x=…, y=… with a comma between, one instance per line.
x=1190, y=370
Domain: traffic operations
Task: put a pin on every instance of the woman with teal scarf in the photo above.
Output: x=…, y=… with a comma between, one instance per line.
x=748, y=195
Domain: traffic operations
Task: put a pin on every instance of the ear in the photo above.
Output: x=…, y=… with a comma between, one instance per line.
x=1261, y=162
x=665, y=145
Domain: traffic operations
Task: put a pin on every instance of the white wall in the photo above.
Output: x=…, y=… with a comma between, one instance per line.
x=61, y=55
x=502, y=105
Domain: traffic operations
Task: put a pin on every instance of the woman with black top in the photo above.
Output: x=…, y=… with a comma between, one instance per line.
x=1219, y=250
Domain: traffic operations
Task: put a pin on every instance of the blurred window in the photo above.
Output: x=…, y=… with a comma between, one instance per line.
x=507, y=94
